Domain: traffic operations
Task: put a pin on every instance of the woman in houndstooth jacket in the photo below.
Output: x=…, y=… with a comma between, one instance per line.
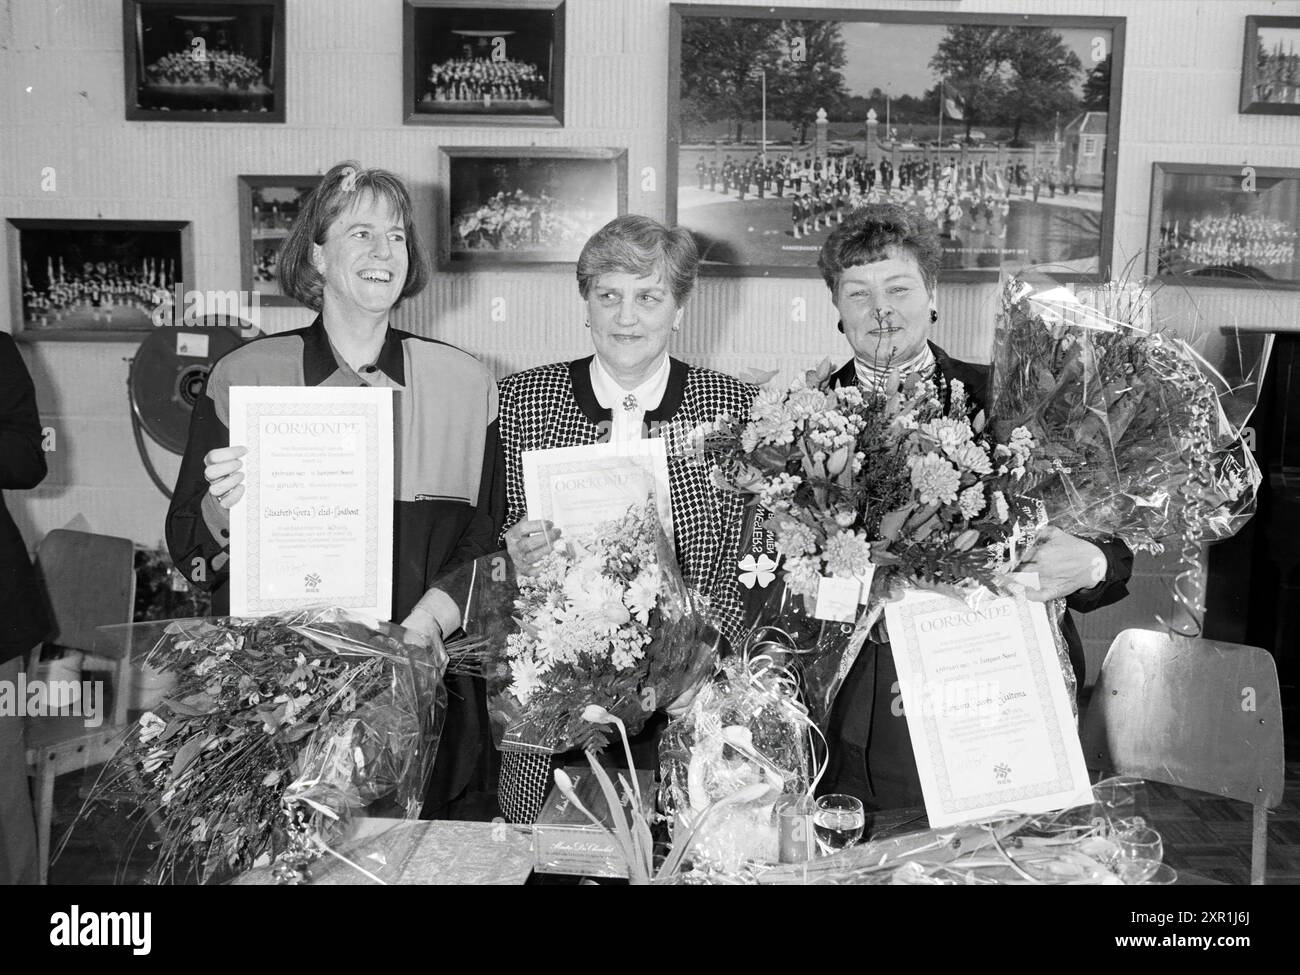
x=635, y=276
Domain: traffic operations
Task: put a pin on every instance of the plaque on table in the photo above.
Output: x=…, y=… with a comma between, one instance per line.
x=565, y=841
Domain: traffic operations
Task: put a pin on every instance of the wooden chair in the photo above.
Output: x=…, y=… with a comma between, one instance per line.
x=1199, y=714
x=89, y=581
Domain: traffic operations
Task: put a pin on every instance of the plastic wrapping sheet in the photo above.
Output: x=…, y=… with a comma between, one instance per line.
x=279, y=730
x=744, y=731
x=1137, y=427
x=1080, y=845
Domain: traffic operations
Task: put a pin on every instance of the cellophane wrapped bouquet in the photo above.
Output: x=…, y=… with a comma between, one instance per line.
x=744, y=731
x=281, y=729
x=873, y=490
x=1137, y=430
x=606, y=620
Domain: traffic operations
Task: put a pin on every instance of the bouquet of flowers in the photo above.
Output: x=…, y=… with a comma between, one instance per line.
x=608, y=621
x=743, y=731
x=1133, y=439
x=864, y=492
x=279, y=726
x=1137, y=433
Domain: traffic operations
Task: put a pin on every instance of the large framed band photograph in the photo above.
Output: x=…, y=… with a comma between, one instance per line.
x=268, y=206
x=525, y=207
x=97, y=280
x=1224, y=226
x=201, y=61
x=1270, y=67
x=1003, y=129
x=483, y=62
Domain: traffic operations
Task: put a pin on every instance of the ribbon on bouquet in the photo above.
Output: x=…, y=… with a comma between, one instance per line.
x=776, y=678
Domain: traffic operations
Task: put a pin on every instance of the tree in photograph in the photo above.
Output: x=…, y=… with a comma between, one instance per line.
x=808, y=76
x=718, y=62
x=1096, y=87
x=1041, y=72
x=969, y=60
x=1277, y=72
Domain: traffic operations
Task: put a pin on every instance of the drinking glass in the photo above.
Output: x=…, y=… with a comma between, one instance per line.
x=838, y=822
x=1140, y=853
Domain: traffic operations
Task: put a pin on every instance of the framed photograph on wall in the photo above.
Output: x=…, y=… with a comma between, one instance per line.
x=94, y=279
x=1225, y=226
x=1003, y=129
x=199, y=61
x=1270, y=66
x=483, y=62
x=268, y=206
x=525, y=207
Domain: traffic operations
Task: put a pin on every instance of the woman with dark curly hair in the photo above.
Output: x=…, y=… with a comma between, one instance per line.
x=882, y=268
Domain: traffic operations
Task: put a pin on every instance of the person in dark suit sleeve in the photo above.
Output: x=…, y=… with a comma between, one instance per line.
x=23, y=619
x=881, y=266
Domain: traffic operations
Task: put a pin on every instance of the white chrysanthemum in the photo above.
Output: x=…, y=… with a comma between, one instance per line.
x=802, y=575
x=525, y=678
x=948, y=434
x=749, y=438
x=847, y=554
x=804, y=403
x=972, y=501
x=970, y=457
x=596, y=596
x=778, y=430
x=794, y=538
x=934, y=479
x=768, y=404
x=643, y=594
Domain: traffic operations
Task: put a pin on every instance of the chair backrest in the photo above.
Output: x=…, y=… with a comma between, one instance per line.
x=1194, y=713
x=89, y=581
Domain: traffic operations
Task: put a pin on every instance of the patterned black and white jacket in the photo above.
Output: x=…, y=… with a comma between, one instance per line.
x=554, y=406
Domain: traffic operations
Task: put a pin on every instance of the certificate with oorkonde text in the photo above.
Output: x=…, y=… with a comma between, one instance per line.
x=987, y=708
x=315, y=524
x=577, y=488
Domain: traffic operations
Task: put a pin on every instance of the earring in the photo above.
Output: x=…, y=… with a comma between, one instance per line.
x=586, y=323
x=677, y=328
x=934, y=316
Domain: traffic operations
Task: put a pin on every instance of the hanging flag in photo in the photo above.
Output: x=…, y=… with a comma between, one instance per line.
x=953, y=107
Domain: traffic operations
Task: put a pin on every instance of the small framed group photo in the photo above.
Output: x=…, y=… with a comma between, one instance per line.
x=268, y=206
x=1270, y=67
x=1235, y=226
x=94, y=279
x=525, y=207
x=483, y=62
x=1003, y=129
x=198, y=61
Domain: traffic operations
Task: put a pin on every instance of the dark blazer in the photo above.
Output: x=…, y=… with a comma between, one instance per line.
x=870, y=753
x=23, y=619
